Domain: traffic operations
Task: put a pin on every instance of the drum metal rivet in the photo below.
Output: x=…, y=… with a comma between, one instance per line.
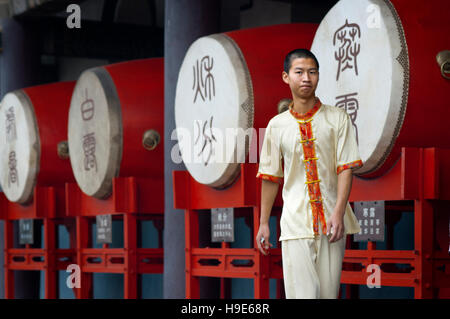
x=63, y=150
x=443, y=59
x=150, y=139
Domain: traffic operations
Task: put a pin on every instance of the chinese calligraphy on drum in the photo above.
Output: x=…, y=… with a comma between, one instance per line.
x=346, y=41
x=203, y=84
x=346, y=38
x=89, y=144
x=11, y=133
x=87, y=113
x=350, y=104
x=87, y=108
x=206, y=137
x=11, y=136
x=204, y=87
x=12, y=165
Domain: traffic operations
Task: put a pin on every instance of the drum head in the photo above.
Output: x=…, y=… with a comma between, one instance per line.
x=95, y=132
x=214, y=110
x=364, y=68
x=19, y=148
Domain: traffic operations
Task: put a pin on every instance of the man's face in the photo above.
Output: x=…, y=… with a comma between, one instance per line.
x=303, y=77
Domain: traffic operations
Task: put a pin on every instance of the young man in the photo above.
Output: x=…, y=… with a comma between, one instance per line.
x=316, y=145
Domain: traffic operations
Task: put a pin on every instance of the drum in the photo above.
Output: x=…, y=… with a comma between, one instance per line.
x=229, y=87
x=378, y=62
x=116, y=123
x=33, y=121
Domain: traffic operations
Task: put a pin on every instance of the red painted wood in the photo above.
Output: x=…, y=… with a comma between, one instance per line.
x=419, y=177
x=51, y=103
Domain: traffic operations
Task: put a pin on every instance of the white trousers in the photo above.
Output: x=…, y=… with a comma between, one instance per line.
x=312, y=267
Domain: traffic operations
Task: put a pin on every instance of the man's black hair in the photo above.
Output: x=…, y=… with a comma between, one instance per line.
x=298, y=53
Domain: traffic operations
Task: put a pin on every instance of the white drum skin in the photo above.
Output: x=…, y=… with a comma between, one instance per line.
x=112, y=107
x=33, y=121
x=228, y=88
x=378, y=61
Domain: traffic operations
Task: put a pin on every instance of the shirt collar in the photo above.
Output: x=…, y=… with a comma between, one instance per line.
x=307, y=115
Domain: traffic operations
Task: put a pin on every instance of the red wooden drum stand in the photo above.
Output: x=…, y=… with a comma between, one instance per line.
x=115, y=122
x=243, y=195
x=34, y=170
x=131, y=202
x=418, y=182
x=389, y=112
x=47, y=205
x=229, y=82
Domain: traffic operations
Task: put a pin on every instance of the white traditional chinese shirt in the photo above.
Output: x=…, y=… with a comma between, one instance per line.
x=313, y=148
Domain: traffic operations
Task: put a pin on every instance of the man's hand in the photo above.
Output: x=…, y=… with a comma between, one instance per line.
x=262, y=238
x=269, y=191
x=335, y=226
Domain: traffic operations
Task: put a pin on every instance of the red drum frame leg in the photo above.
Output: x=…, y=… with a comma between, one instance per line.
x=130, y=201
x=244, y=196
x=419, y=183
x=48, y=206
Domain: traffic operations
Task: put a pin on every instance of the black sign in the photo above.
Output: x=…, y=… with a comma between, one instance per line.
x=104, y=229
x=371, y=220
x=26, y=231
x=222, y=225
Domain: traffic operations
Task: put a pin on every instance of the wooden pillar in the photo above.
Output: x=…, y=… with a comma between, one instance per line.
x=185, y=21
x=19, y=67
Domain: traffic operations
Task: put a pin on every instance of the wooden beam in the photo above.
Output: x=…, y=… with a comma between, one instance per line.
x=39, y=7
x=96, y=39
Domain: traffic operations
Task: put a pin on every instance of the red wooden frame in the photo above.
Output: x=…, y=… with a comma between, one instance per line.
x=420, y=177
x=244, y=193
x=132, y=199
x=48, y=205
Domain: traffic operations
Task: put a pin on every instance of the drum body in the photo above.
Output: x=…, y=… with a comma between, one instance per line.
x=111, y=109
x=228, y=88
x=378, y=61
x=33, y=121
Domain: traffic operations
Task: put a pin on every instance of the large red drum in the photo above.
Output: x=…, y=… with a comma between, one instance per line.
x=231, y=82
x=378, y=60
x=116, y=122
x=33, y=121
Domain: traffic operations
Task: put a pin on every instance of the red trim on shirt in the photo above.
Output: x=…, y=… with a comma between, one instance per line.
x=352, y=165
x=275, y=179
x=312, y=175
x=308, y=114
